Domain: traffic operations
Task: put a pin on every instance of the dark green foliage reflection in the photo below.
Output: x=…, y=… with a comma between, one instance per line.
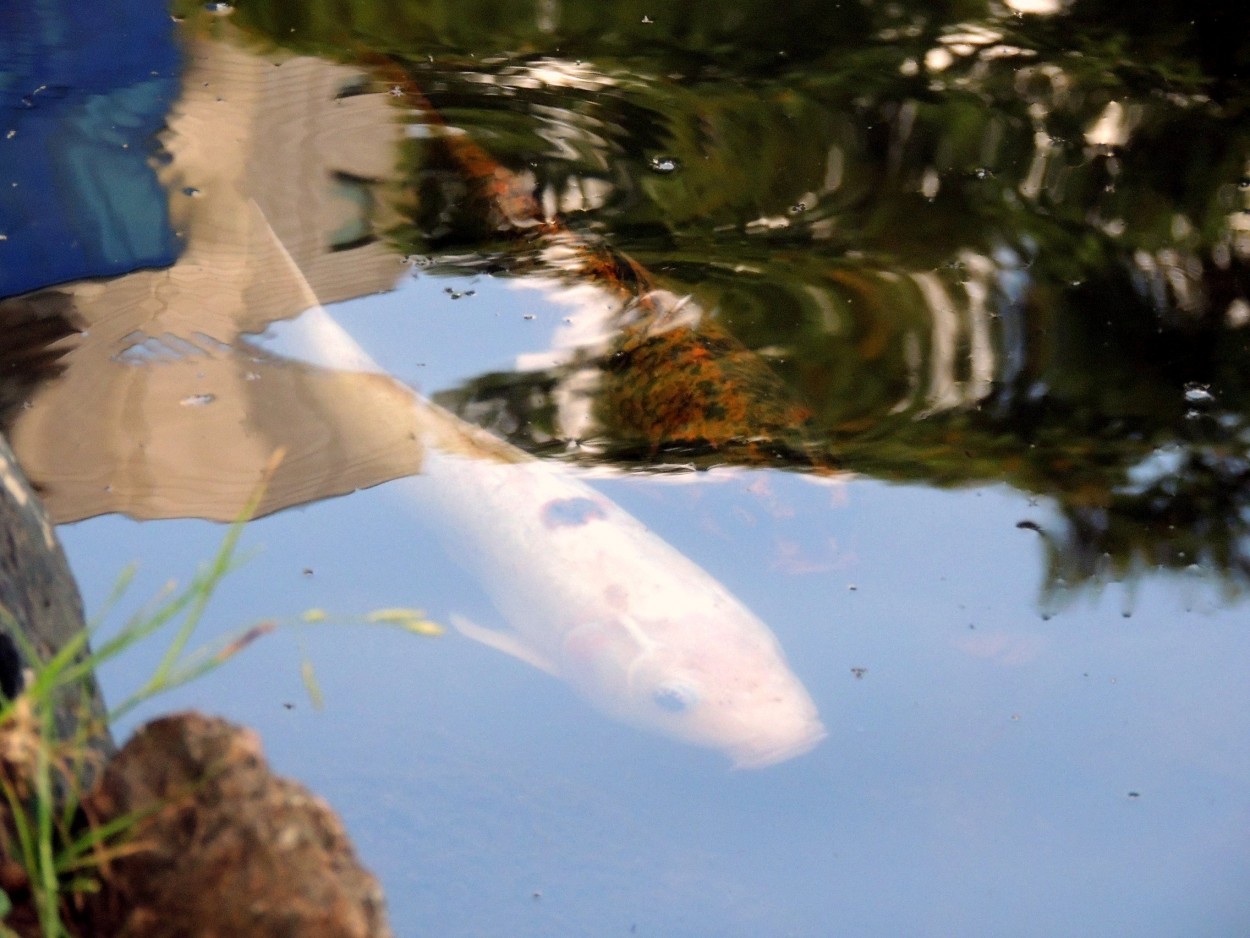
x=982, y=244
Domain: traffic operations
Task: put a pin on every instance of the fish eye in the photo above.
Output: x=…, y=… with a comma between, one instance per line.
x=675, y=697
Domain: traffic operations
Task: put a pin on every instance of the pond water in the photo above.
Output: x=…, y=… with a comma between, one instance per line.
x=957, y=407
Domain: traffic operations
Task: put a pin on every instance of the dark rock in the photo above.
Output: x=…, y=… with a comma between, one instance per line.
x=224, y=847
x=41, y=609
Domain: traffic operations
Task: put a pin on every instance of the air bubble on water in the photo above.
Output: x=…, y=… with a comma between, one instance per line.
x=1198, y=394
x=219, y=9
x=982, y=173
x=930, y=184
x=664, y=164
x=197, y=400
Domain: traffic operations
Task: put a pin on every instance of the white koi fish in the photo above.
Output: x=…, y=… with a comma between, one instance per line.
x=595, y=598
x=590, y=594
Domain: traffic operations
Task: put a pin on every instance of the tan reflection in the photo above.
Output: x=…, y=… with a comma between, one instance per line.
x=161, y=411
x=165, y=410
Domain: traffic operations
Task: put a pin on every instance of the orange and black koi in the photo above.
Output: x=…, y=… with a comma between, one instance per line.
x=674, y=377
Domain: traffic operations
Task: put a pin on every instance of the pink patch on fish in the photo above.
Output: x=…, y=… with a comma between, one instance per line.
x=616, y=597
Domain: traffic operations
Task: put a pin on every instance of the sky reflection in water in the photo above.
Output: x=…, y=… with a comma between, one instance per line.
x=990, y=769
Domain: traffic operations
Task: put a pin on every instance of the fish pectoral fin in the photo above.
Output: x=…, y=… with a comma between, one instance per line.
x=507, y=642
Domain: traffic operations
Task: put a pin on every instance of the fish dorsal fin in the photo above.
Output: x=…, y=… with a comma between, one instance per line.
x=508, y=642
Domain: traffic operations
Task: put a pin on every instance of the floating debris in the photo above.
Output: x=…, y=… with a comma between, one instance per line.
x=313, y=688
x=238, y=644
x=411, y=620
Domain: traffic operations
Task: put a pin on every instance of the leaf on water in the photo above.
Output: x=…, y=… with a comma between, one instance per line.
x=314, y=615
x=411, y=620
x=310, y=684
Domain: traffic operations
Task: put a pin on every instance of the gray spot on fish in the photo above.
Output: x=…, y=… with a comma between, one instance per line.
x=571, y=512
x=675, y=698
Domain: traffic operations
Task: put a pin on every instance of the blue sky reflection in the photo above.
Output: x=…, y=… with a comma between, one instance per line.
x=977, y=778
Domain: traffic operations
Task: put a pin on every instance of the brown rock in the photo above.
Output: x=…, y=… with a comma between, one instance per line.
x=227, y=849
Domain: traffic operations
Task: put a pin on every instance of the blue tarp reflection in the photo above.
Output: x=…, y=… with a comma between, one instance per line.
x=83, y=90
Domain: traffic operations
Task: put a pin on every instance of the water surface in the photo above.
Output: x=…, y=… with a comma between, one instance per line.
x=986, y=321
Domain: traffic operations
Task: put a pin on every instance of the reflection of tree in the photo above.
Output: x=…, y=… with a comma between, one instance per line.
x=670, y=378
x=31, y=346
x=157, y=407
x=981, y=246
x=1195, y=519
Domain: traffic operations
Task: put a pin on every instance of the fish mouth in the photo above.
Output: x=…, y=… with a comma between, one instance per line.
x=759, y=754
